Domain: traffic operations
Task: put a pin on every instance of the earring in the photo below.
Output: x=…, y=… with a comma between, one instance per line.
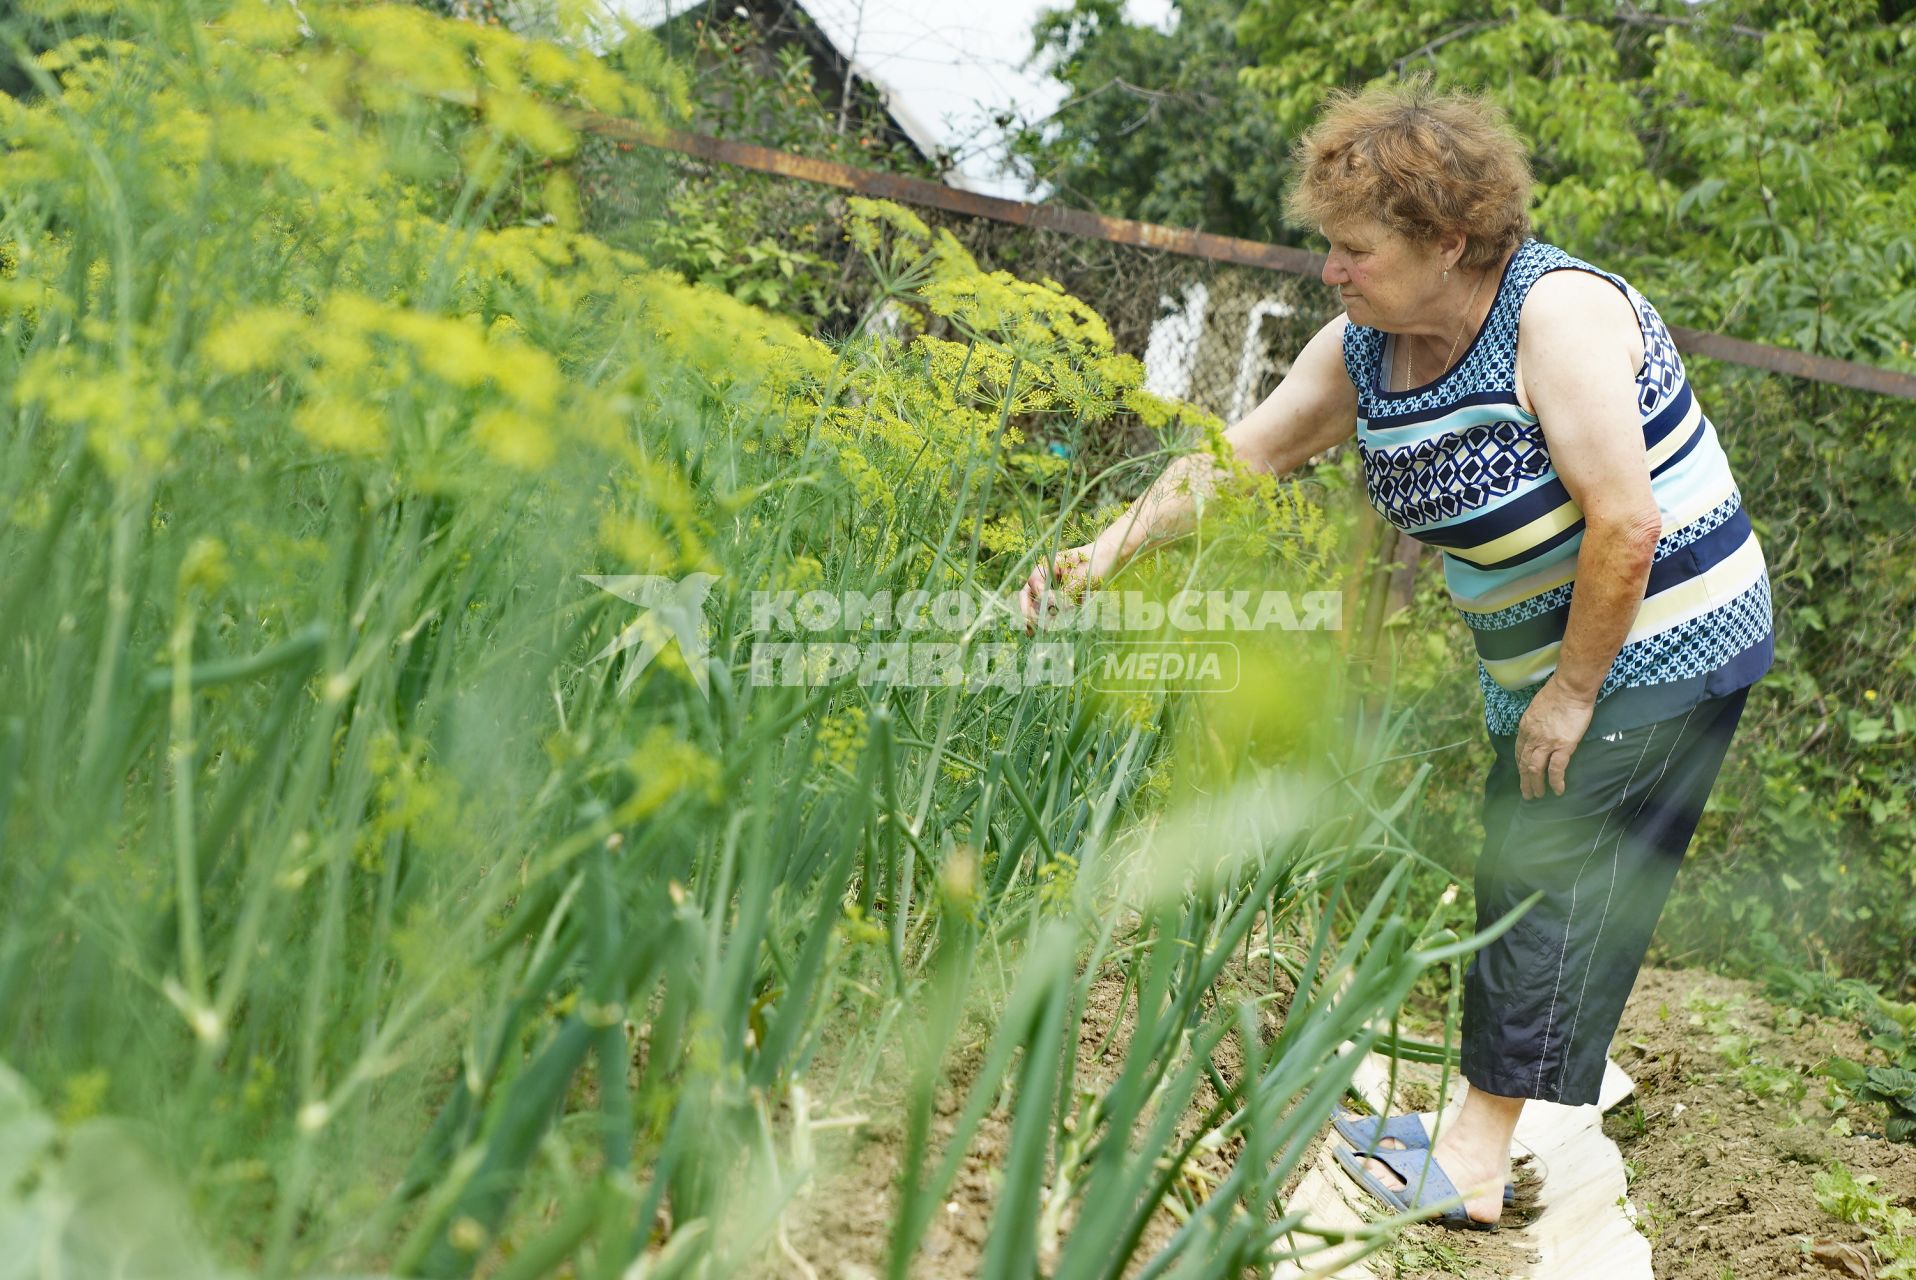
x=1446, y=273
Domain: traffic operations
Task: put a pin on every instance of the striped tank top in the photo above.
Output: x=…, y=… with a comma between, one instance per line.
x=1459, y=465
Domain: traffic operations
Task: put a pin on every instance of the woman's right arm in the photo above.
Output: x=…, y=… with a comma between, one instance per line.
x=1311, y=409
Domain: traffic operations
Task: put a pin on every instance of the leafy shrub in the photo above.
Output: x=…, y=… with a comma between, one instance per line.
x=1892, y=1028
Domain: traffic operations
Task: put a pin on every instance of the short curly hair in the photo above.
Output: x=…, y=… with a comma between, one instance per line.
x=1421, y=162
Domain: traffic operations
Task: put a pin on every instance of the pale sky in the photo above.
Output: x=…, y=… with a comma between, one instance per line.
x=951, y=65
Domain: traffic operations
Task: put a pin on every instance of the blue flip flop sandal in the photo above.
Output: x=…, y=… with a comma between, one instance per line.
x=1425, y=1184
x=1365, y=1132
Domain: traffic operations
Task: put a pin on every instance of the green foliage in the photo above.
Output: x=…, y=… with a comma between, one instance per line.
x=1894, y=1088
x=1808, y=845
x=1158, y=126
x=701, y=241
x=1733, y=1041
x=1854, y=1197
x=1810, y=842
x=1892, y=1028
x=764, y=240
x=1751, y=165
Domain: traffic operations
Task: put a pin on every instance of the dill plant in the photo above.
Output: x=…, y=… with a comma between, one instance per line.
x=352, y=904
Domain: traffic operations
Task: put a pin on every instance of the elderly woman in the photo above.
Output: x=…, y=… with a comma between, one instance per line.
x=1527, y=414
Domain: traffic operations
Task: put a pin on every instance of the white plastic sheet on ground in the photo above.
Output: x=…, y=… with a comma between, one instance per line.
x=1585, y=1226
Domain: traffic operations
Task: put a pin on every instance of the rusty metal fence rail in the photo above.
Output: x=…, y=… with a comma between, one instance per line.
x=1194, y=244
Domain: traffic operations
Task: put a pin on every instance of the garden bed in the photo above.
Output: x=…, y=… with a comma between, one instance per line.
x=1723, y=1141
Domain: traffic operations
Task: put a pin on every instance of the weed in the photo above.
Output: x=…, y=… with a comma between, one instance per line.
x=1892, y=1028
x=1890, y=1228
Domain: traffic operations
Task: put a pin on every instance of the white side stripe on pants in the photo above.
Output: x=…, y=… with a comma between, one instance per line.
x=1543, y=1050
x=1570, y=1036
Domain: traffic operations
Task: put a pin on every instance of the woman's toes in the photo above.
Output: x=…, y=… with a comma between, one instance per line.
x=1384, y=1173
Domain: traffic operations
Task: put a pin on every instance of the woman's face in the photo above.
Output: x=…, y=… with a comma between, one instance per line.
x=1385, y=280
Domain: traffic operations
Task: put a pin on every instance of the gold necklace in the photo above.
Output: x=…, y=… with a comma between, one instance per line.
x=1410, y=361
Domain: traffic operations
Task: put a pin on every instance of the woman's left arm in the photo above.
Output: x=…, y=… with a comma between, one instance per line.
x=1578, y=350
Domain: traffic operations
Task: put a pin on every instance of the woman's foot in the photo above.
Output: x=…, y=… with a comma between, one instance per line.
x=1481, y=1180
x=1473, y=1151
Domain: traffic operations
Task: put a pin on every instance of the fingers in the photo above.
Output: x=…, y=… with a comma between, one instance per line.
x=1529, y=763
x=1030, y=597
x=1037, y=587
x=1066, y=575
x=1529, y=771
x=1559, y=761
x=1542, y=765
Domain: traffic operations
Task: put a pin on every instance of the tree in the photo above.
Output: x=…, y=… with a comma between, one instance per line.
x=1158, y=126
x=1751, y=164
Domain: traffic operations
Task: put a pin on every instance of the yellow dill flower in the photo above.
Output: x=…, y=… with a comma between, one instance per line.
x=857, y=930
x=1119, y=371
x=865, y=224
x=525, y=119
x=454, y=350
x=560, y=198
x=528, y=375
x=341, y=351
x=342, y=422
x=958, y=888
x=870, y=483
x=259, y=26
x=124, y=410
x=840, y=739
x=664, y=767
x=252, y=339
x=402, y=45
x=32, y=299
x=83, y=1096
x=549, y=65
x=514, y=439
x=1158, y=413
x=1004, y=535
x=205, y=566
x=637, y=545
x=802, y=365
x=1057, y=880
x=803, y=571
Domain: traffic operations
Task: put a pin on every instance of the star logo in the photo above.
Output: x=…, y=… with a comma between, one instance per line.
x=674, y=609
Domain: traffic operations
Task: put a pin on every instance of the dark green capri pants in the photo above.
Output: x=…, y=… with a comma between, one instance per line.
x=1542, y=1001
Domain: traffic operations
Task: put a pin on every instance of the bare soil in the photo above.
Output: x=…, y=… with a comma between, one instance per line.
x=1721, y=1140
x=1728, y=1127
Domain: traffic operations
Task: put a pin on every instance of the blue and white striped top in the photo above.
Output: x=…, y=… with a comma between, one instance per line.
x=1460, y=465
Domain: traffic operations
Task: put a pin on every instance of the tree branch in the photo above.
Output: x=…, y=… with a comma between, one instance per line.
x=1458, y=33
x=1627, y=15
x=1631, y=16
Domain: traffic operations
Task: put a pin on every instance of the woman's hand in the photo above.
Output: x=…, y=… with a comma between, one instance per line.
x=1313, y=407
x=1073, y=573
x=1547, y=737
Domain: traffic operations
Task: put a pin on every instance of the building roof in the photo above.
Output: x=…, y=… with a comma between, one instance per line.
x=791, y=19
x=951, y=76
